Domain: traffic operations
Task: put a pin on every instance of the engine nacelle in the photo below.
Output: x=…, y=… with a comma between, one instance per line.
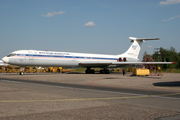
x=119, y=60
x=122, y=59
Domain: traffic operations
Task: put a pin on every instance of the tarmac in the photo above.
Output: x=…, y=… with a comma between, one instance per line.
x=170, y=81
x=89, y=96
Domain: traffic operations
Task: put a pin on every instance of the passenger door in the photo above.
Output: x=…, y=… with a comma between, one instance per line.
x=30, y=55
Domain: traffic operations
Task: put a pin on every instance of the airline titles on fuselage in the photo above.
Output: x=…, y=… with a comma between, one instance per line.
x=54, y=53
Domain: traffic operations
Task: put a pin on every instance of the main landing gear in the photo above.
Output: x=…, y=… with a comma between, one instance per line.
x=91, y=71
x=105, y=71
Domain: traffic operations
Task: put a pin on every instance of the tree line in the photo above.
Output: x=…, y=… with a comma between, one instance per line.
x=164, y=55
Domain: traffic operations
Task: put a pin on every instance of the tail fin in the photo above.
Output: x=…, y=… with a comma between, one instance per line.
x=135, y=48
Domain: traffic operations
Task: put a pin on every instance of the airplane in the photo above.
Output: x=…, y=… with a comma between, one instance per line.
x=69, y=59
x=2, y=63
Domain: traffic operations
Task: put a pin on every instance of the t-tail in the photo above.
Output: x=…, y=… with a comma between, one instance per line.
x=134, y=49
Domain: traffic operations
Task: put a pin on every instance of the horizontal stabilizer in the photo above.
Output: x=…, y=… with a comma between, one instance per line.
x=142, y=39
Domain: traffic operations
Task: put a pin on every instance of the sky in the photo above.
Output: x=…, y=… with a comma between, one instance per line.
x=88, y=26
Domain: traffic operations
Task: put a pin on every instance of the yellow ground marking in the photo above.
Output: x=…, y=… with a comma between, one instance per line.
x=87, y=99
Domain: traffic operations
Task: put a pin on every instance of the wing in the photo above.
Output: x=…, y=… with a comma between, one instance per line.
x=106, y=64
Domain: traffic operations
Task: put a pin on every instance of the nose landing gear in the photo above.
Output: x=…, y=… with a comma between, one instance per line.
x=21, y=71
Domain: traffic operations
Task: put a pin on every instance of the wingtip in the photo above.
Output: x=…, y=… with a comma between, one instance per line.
x=173, y=62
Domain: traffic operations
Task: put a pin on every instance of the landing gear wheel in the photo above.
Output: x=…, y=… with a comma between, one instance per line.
x=89, y=71
x=107, y=72
x=21, y=73
x=104, y=71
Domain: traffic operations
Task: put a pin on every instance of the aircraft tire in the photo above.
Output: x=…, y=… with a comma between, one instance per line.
x=107, y=72
x=89, y=71
x=21, y=73
x=104, y=72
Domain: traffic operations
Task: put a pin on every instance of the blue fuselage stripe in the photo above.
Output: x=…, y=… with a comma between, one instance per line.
x=74, y=57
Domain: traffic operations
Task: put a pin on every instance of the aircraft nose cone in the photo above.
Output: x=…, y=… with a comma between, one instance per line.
x=5, y=59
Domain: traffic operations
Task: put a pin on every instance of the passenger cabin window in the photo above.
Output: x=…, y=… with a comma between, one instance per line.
x=13, y=54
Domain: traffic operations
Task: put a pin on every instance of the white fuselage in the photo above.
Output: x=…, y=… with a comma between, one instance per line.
x=63, y=59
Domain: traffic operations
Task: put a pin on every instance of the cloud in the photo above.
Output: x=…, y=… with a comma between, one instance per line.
x=53, y=14
x=90, y=24
x=169, y=2
x=171, y=18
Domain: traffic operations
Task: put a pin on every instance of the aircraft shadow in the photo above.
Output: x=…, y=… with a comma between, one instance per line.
x=168, y=84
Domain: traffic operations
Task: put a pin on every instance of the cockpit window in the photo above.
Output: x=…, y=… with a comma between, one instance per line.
x=13, y=54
